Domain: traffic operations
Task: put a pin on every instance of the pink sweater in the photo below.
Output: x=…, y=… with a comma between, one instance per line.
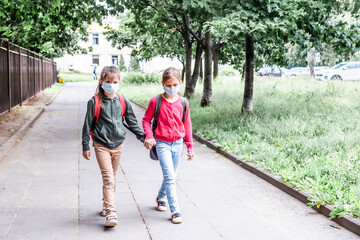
x=170, y=126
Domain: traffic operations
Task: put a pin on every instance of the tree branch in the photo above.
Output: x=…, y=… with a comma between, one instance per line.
x=220, y=44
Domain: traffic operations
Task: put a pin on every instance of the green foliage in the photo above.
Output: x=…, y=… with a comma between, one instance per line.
x=305, y=131
x=139, y=78
x=50, y=28
x=122, y=66
x=134, y=64
x=228, y=72
x=138, y=32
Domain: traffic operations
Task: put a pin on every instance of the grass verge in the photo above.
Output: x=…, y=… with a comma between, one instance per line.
x=305, y=131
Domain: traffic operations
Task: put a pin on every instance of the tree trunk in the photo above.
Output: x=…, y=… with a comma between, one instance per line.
x=188, y=55
x=247, y=105
x=207, y=93
x=183, y=72
x=201, y=69
x=189, y=93
x=243, y=73
x=216, y=62
x=312, y=63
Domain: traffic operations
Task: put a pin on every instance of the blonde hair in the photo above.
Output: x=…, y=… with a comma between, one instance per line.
x=108, y=71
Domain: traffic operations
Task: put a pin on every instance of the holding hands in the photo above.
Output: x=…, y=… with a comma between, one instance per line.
x=149, y=143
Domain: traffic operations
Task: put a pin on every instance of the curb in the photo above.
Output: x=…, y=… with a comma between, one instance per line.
x=350, y=223
x=13, y=140
x=53, y=97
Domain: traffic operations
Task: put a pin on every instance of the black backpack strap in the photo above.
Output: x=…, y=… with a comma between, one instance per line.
x=184, y=103
x=156, y=112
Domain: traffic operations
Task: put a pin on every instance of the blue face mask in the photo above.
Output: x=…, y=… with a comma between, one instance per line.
x=171, y=92
x=110, y=88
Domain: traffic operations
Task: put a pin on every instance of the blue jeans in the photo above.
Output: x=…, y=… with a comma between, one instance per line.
x=169, y=154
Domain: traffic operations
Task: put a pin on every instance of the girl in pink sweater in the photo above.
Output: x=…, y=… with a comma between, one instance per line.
x=171, y=132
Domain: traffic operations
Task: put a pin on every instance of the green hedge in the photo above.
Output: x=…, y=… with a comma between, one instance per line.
x=139, y=78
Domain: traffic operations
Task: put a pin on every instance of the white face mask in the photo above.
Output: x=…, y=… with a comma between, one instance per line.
x=171, y=92
x=110, y=88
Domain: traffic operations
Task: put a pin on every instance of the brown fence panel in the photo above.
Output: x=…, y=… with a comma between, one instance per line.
x=4, y=81
x=14, y=76
x=22, y=74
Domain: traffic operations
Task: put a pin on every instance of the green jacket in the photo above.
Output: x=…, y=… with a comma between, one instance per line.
x=109, y=131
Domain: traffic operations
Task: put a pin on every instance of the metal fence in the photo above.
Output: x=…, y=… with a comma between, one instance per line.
x=22, y=74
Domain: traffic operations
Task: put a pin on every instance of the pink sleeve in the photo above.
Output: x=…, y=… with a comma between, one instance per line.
x=188, y=131
x=149, y=114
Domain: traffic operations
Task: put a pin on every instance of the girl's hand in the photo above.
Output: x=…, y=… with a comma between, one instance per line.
x=86, y=154
x=149, y=143
x=190, y=156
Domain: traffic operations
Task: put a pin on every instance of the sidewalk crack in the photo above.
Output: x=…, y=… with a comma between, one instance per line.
x=137, y=205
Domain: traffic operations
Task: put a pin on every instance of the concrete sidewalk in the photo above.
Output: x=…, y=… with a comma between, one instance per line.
x=48, y=191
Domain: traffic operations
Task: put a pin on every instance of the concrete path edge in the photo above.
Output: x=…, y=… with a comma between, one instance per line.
x=350, y=223
x=53, y=97
x=13, y=140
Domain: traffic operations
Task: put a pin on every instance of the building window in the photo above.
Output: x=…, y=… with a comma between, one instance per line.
x=95, y=59
x=95, y=39
x=114, y=60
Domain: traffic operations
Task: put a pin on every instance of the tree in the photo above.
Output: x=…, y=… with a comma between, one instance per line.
x=122, y=66
x=51, y=27
x=134, y=64
x=206, y=98
x=272, y=24
x=170, y=22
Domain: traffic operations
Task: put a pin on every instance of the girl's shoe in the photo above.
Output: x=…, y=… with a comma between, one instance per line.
x=111, y=220
x=161, y=204
x=176, y=218
x=103, y=211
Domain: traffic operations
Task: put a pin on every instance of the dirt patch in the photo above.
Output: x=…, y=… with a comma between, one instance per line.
x=39, y=100
x=11, y=122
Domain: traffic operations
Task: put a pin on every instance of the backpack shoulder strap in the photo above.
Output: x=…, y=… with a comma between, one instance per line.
x=122, y=104
x=97, y=108
x=185, y=104
x=157, y=111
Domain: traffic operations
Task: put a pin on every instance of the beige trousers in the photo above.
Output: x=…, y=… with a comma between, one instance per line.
x=108, y=160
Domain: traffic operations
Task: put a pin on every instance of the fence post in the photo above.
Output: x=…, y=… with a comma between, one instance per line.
x=8, y=71
x=28, y=73
x=20, y=75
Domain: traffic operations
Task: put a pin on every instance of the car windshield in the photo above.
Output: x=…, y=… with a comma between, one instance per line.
x=339, y=66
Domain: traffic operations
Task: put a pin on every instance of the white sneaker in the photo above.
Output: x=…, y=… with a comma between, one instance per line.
x=176, y=218
x=111, y=220
x=161, y=204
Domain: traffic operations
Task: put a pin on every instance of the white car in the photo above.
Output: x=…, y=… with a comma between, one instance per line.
x=304, y=71
x=342, y=71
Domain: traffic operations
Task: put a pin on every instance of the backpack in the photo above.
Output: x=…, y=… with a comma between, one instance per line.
x=153, y=154
x=98, y=107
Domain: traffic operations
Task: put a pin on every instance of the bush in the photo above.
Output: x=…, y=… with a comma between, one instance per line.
x=139, y=78
x=228, y=72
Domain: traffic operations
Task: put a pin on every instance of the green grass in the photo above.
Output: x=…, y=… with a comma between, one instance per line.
x=54, y=88
x=76, y=76
x=305, y=131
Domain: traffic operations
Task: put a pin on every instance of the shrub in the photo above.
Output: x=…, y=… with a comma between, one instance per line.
x=228, y=72
x=139, y=78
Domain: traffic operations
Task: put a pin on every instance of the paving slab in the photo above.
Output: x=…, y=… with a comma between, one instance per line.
x=48, y=191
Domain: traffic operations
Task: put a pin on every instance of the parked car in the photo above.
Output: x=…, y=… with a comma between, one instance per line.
x=275, y=71
x=304, y=71
x=341, y=71
x=296, y=71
